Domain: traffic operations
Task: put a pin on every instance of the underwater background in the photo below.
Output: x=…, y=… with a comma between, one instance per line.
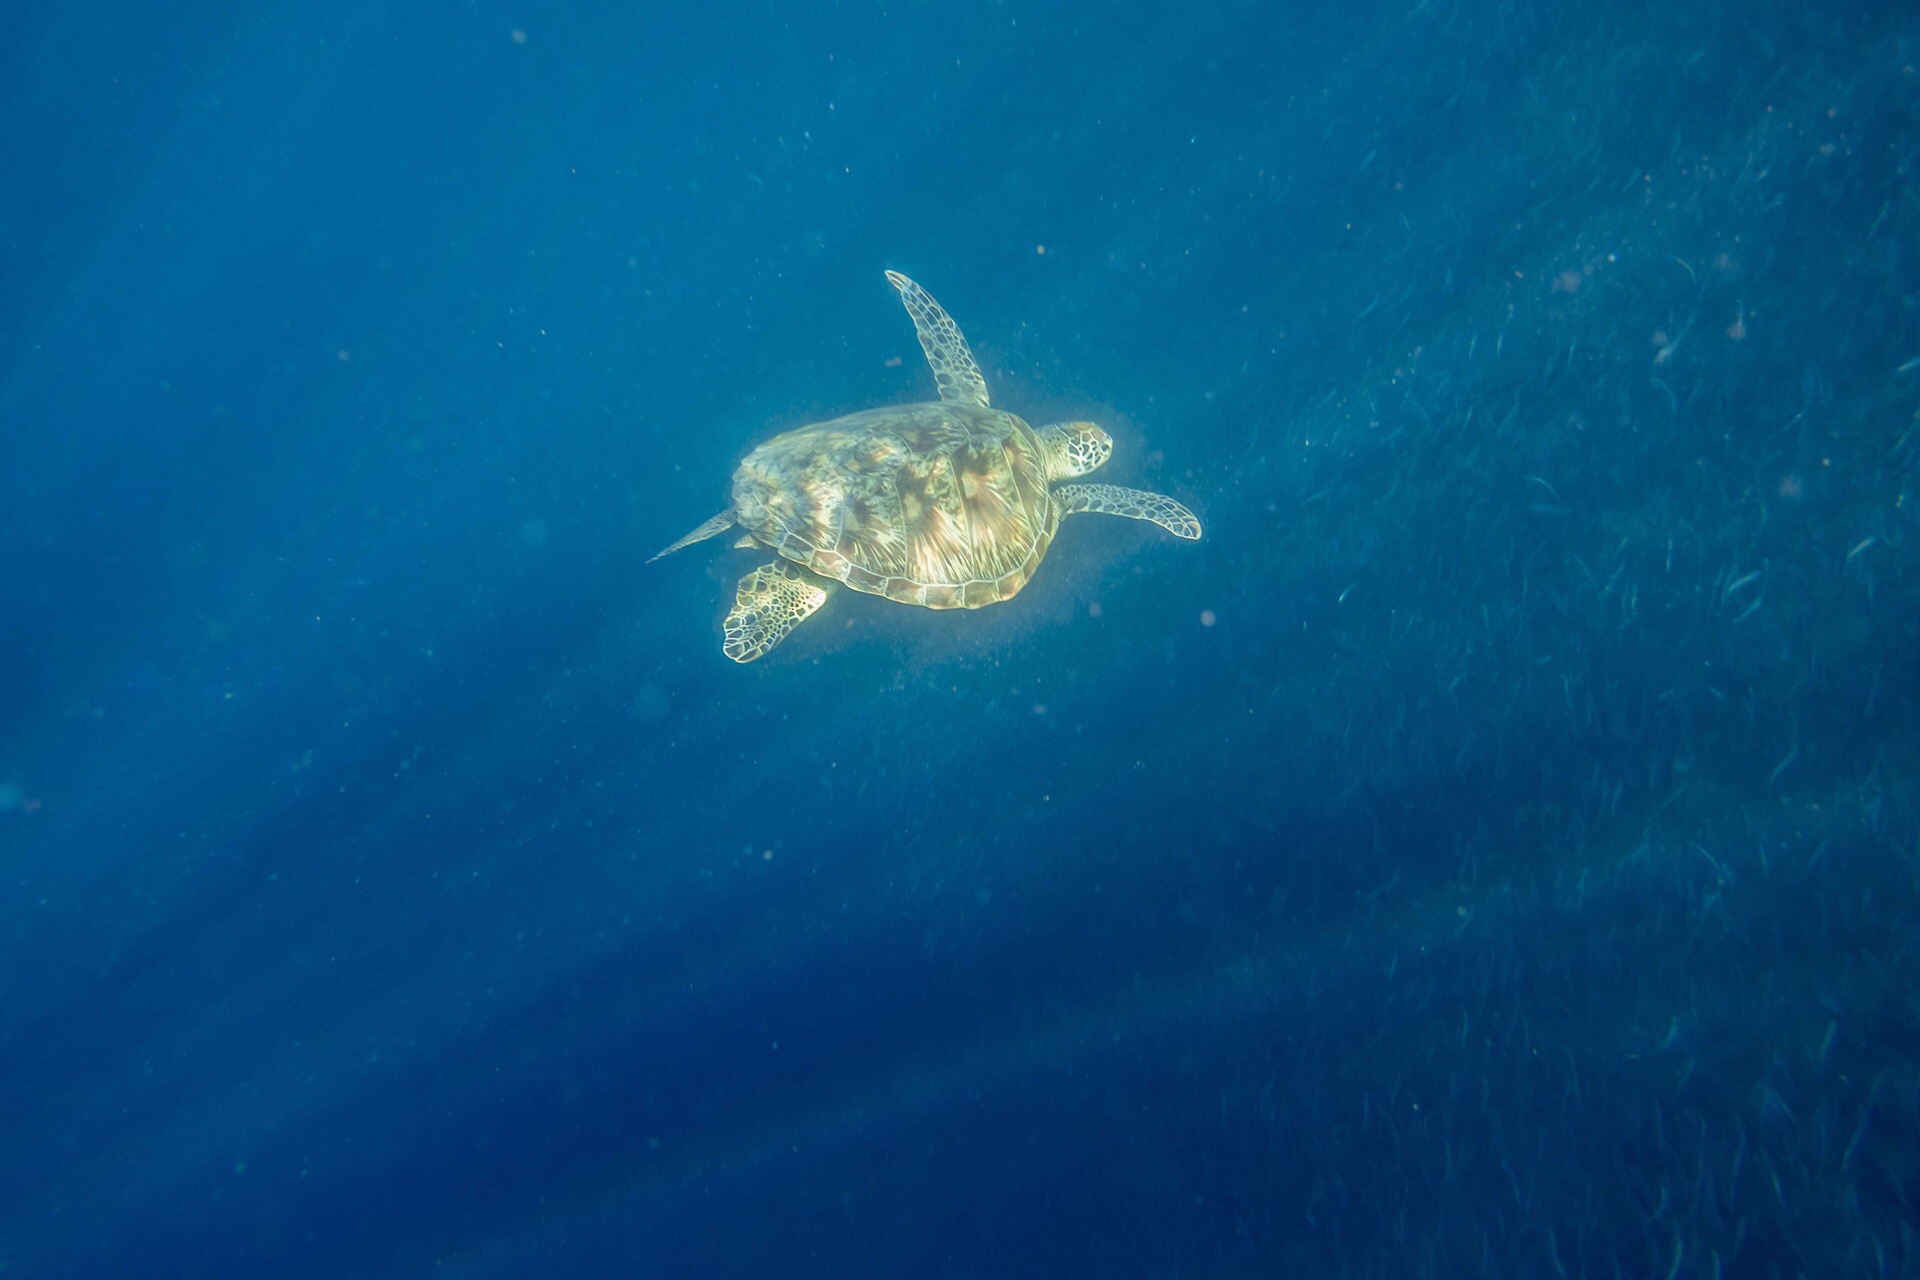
x=1492, y=850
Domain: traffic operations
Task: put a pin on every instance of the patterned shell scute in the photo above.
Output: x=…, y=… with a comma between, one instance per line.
x=943, y=505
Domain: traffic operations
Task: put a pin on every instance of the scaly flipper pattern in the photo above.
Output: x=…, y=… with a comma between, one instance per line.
x=712, y=528
x=1135, y=504
x=947, y=353
x=770, y=602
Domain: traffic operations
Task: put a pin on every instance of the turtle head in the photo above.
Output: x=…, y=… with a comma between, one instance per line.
x=1074, y=448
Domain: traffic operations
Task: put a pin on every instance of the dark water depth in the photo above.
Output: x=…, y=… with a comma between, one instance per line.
x=1490, y=851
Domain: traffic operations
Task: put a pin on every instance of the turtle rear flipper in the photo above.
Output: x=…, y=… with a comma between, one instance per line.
x=769, y=603
x=1135, y=504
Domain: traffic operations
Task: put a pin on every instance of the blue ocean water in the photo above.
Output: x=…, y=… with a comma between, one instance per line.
x=1490, y=851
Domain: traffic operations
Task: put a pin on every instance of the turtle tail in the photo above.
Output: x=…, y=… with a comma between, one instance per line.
x=712, y=528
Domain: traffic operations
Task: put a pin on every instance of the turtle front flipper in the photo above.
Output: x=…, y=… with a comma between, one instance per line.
x=770, y=602
x=1135, y=504
x=947, y=352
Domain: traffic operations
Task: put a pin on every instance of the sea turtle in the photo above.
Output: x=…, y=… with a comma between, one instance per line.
x=948, y=505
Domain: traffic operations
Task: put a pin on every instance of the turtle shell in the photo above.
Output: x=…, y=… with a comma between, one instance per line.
x=943, y=505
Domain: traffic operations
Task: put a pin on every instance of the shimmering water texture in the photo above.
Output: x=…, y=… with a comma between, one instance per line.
x=1490, y=850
